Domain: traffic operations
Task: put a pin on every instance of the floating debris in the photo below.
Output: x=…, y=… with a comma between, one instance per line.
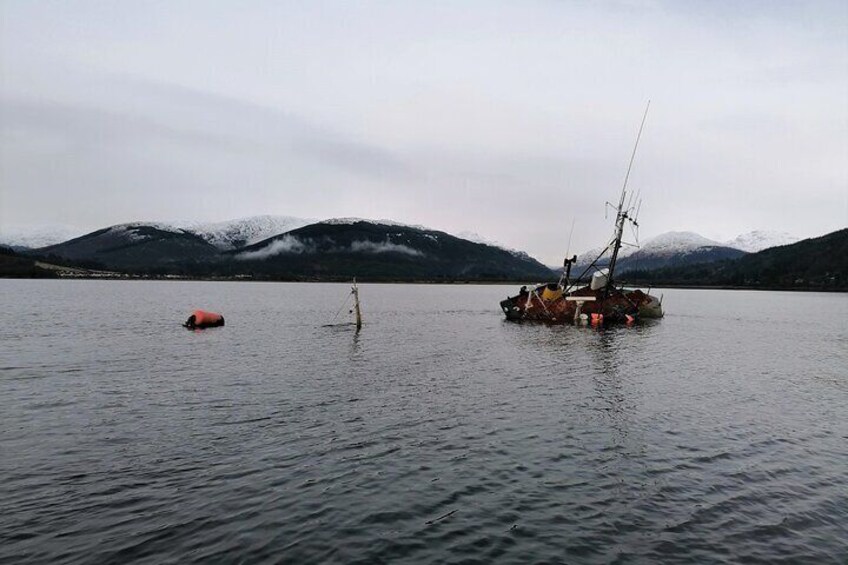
x=200, y=319
x=443, y=516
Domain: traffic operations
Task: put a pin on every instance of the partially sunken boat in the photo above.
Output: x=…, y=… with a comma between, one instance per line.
x=600, y=301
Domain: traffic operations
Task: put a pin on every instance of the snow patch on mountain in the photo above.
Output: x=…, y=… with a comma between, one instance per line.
x=758, y=240
x=677, y=242
x=475, y=237
x=241, y=232
x=351, y=221
x=161, y=226
x=34, y=237
x=133, y=231
x=590, y=255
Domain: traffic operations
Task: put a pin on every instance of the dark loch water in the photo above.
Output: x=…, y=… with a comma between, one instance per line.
x=438, y=434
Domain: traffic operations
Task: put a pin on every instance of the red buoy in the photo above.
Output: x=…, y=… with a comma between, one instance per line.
x=204, y=319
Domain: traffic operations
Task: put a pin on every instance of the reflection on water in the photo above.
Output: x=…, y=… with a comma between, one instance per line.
x=438, y=433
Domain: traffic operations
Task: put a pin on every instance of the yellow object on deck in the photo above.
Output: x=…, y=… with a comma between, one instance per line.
x=549, y=295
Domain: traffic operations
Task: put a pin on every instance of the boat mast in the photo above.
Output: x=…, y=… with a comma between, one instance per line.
x=566, y=265
x=621, y=214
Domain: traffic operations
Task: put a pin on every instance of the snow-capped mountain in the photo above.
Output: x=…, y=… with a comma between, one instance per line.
x=761, y=239
x=466, y=235
x=136, y=246
x=684, y=241
x=226, y=235
x=382, y=249
x=136, y=231
x=351, y=221
x=338, y=248
x=233, y=234
x=677, y=242
x=31, y=238
x=665, y=250
x=673, y=249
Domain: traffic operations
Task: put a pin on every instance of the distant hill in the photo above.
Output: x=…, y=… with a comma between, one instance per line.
x=648, y=258
x=376, y=250
x=816, y=263
x=147, y=248
x=14, y=265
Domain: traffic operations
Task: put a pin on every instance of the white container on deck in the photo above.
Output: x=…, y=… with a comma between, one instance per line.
x=599, y=279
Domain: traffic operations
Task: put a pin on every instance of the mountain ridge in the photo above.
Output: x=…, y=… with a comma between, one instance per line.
x=819, y=263
x=333, y=248
x=670, y=248
x=371, y=248
x=238, y=232
x=341, y=248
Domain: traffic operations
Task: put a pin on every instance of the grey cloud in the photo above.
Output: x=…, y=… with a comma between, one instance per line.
x=196, y=120
x=85, y=126
x=255, y=125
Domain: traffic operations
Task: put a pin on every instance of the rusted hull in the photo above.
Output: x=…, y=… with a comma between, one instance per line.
x=615, y=307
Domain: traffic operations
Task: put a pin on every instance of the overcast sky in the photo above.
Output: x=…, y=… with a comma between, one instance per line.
x=509, y=119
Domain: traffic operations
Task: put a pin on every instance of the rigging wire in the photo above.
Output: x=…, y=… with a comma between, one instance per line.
x=635, y=146
x=568, y=247
x=343, y=307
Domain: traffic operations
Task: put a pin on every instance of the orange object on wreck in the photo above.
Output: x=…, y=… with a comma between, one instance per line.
x=204, y=319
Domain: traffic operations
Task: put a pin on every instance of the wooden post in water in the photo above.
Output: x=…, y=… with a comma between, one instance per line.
x=355, y=292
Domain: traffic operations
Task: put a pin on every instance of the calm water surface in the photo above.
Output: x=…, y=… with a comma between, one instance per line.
x=438, y=434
